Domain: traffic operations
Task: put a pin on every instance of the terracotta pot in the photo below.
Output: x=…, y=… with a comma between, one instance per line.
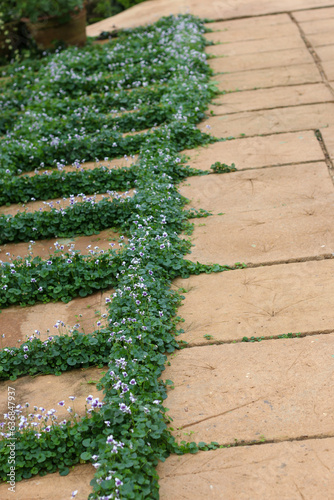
x=50, y=29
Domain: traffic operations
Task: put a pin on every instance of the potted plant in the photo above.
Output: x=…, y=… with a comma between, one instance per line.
x=9, y=21
x=55, y=20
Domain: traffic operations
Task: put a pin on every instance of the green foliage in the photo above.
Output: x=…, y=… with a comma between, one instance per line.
x=34, y=9
x=222, y=168
x=129, y=434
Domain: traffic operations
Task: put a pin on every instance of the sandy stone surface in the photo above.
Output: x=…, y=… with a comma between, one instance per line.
x=17, y=323
x=317, y=25
x=271, y=121
x=328, y=67
x=314, y=14
x=43, y=248
x=258, y=152
x=59, y=203
x=276, y=389
x=53, y=486
x=225, y=32
x=272, y=59
x=260, y=190
x=265, y=78
x=271, y=98
x=150, y=11
x=319, y=39
x=283, y=233
x=255, y=46
x=258, y=302
x=110, y=164
x=279, y=471
x=46, y=391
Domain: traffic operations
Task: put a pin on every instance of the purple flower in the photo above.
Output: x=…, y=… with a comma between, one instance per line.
x=33, y=280
x=118, y=482
x=61, y=403
x=133, y=382
x=49, y=262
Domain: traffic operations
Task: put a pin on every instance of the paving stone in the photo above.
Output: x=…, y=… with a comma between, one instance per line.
x=319, y=39
x=44, y=248
x=260, y=189
x=317, y=26
x=326, y=53
x=257, y=152
x=110, y=164
x=227, y=35
x=53, y=486
x=328, y=67
x=279, y=471
x=264, y=78
x=280, y=234
x=271, y=98
x=258, y=302
x=314, y=14
x=151, y=12
x=279, y=389
x=256, y=46
x=328, y=137
x=47, y=391
x=259, y=23
x=272, y=59
x=305, y=117
x=18, y=323
x=58, y=203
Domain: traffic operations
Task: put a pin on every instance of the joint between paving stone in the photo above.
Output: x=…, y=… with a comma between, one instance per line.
x=252, y=340
x=326, y=154
x=313, y=53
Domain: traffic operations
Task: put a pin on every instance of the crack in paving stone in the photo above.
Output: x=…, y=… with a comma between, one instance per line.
x=313, y=53
x=219, y=414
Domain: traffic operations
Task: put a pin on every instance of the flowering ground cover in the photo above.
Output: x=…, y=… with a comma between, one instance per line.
x=70, y=107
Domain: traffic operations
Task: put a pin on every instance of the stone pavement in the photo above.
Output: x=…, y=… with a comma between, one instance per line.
x=268, y=402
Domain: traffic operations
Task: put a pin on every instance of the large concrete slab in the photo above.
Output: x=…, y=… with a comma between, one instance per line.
x=265, y=78
x=280, y=234
x=314, y=14
x=226, y=34
x=326, y=53
x=317, y=26
x=277, y=21
x=274, y=389
x=260, y=190
x=151, y=11
x=290, y=119
x=280, y=471
x=246, y=62
x=259, y=302
x=328, y=67
x=59, y=203
x=271, y=98
x=47, y=391
x=320, y=39
x=18, y=323
x=258, y=152
x=255, y=46
x=53, y=486
x=43, y=248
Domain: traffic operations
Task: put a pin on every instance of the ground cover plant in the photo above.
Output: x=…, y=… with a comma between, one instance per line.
x=127, y=434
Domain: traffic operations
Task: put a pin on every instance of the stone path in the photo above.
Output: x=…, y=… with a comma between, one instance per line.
x=267, y=402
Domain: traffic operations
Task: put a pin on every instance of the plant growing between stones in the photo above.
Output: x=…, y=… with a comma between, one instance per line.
x=129, y=434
